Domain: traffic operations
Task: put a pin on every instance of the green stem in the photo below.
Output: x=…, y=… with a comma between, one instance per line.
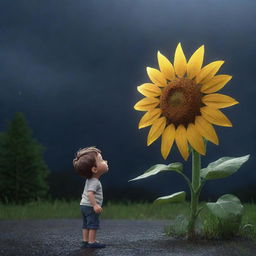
x=196, y=166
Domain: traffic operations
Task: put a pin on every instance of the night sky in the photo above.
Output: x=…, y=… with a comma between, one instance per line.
x=72, y=68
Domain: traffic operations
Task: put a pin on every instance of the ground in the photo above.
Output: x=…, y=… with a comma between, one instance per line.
x=123, y=237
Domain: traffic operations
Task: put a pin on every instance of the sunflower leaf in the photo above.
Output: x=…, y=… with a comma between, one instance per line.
x=155, y=169
x=227, y=207
x=223, y=167
x=174, y=198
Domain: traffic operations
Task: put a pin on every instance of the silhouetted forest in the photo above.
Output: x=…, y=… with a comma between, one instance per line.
x=69, y=185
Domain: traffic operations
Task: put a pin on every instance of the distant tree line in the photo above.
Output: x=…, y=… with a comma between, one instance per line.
x=23, y=172
x=24, y=175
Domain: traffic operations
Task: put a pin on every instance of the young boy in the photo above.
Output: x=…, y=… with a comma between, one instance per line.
x=89, y=164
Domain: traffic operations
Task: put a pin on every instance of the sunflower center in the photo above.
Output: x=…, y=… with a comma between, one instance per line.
x=176, y=99
x=180, y=101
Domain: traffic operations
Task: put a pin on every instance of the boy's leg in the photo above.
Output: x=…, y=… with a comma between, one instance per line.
x=85, y=230
x=92, y=235
x=92, y=225
x=85, y=234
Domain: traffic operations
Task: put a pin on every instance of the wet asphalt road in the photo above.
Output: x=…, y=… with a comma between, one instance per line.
x=123, y=237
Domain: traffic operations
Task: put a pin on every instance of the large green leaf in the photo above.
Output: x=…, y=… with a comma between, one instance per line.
x=223, y=167
x=155, y=169
x=174, y=198
x=227, y=207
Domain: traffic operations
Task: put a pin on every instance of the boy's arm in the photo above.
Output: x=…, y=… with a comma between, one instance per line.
x=92, y=200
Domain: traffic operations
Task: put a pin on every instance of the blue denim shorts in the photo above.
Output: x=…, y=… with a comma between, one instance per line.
x=90, y=217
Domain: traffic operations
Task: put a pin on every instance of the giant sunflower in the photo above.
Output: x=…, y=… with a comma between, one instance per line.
x=181, y=102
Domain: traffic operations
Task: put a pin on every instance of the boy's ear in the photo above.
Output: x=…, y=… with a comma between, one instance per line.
x=94, y=169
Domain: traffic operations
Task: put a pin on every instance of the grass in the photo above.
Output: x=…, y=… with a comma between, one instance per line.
x=40, y=210
x=176, y=213
x=70, y=209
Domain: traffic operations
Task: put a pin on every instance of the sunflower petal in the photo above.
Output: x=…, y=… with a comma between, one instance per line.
x=168, y=137
x=206, y=130
x=149, y=90
x=180, y=62
x=217, y=100
x=215, y=116
x=149, y=117
x=156, y=130
x=165, y=66
x=195, y=62
x=215, y=84
x=195, y=139
x=156, y=77
x=146, y=104
x=208, y=72
x=181, y=141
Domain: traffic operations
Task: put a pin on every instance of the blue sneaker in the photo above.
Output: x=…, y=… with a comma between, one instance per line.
x=95, y=245
x=84, y=244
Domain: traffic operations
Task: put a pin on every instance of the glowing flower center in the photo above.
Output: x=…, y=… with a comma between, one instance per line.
x=180, y=101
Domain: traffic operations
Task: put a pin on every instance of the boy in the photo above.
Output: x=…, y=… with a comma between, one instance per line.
x=89, y=164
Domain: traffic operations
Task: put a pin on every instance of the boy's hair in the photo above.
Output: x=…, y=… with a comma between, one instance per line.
x=84, y=161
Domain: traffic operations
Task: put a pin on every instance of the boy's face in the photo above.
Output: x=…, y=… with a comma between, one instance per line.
x=101, y=165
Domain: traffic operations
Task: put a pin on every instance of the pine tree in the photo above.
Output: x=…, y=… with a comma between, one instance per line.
x=23, y=172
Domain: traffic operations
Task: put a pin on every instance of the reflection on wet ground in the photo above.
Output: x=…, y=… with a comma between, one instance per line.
x=123, y=238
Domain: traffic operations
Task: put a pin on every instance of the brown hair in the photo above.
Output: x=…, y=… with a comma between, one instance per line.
x=84, y=161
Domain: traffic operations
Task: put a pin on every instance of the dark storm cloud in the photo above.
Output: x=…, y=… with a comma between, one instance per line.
x=72, y=67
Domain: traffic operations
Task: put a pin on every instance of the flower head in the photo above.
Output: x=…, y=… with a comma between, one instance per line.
x=181, y=102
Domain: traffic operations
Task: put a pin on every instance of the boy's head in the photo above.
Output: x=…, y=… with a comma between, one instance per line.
x=89, y=162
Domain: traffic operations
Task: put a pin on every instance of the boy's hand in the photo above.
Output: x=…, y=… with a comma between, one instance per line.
x=97, y=208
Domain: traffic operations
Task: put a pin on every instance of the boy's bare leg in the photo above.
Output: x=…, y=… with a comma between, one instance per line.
x=92, y=235
x=86, y=235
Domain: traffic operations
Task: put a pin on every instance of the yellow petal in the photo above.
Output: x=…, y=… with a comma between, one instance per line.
x=149, y=117
x=165, y=66
x=146, y=104
x=215, y=116
x=181, y=141
x=208, y=72
x=149, y=90
x=217, y=100
x=195, y=139
x=180, y=62
x=215, y=83
x=156, y=130
x=206, y=130
x=195, y=62
x=156, y=77
x=168, y=137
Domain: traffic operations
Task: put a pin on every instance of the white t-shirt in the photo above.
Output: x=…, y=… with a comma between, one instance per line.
x=94, y=185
